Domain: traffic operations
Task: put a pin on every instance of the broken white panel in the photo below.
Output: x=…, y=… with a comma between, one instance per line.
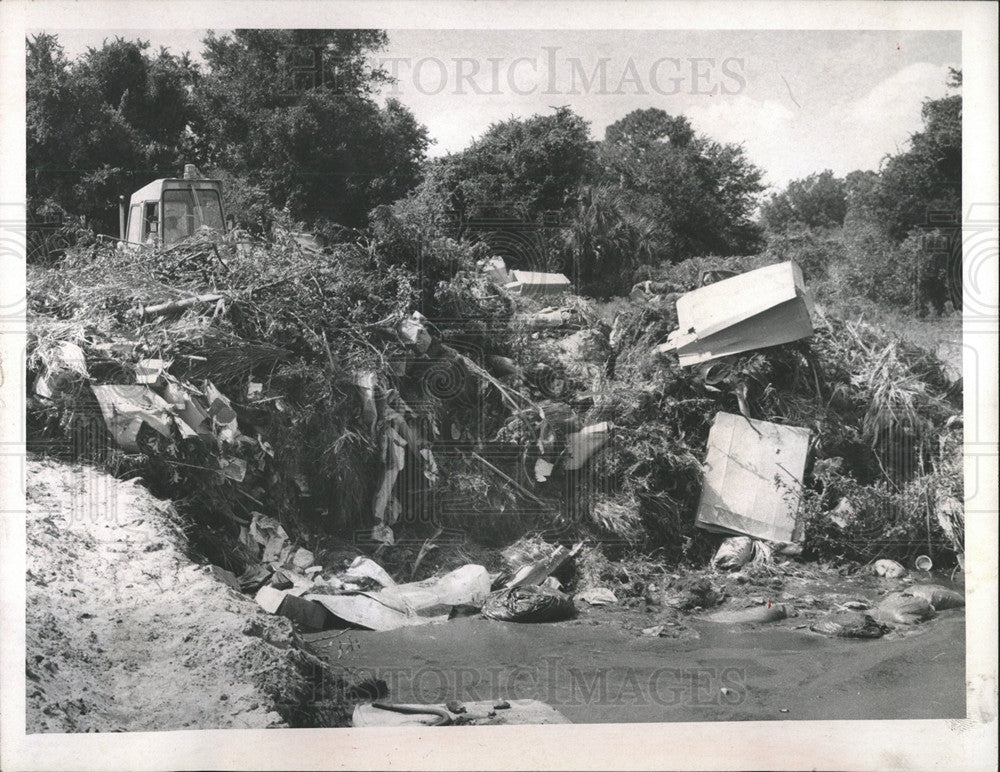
x=536, y=283
x=496, y=269
x=753, y=478
x=757, y=309
x=413, y=330
x=151, y=371
x=581, y=445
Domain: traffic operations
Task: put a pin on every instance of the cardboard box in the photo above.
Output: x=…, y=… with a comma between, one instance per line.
x=753, y=478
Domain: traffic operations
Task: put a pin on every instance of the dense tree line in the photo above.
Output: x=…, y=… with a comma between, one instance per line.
x=120, y=116
x=292, y=121
x=891, y=235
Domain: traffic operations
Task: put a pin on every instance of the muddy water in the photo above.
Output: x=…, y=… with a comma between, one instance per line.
x=600, y=667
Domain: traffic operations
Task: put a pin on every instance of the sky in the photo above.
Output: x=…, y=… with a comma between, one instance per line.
x=799, y=101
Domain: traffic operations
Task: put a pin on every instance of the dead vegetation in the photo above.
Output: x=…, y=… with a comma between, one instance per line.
x=362, y=422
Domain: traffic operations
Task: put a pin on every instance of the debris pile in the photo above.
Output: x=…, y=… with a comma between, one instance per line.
x=296, y=400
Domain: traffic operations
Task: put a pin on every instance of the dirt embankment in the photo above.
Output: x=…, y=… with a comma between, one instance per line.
x=125, y=633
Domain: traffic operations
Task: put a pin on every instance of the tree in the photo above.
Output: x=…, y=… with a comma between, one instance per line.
x=923, y=185
x=915, y=202
x=293, y=111
x=698, y=193
x=524, y=166
x=103, y=125
x=605, y=241
x=817, y=201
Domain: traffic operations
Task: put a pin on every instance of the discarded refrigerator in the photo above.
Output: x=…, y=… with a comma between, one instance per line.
x=765, y=307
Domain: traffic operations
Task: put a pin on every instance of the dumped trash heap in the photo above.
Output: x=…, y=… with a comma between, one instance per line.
x=321, y=415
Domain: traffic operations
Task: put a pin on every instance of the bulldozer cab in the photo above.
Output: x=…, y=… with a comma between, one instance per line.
x=167, y=211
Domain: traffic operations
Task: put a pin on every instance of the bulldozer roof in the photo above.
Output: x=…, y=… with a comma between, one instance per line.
x=154, y=189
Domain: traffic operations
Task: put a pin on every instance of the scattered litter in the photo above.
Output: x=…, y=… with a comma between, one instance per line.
x=151, y=372
x=480, y=712
x=536, y=572
x=365, y=568
x=753, y=478
x=269, y=598
x=581, y=445
x=765, y=307
x=686, y=594
x=233, y=468
x=923, y=563
x=543, y=470
x=849, y=624
x=365, y=383
x=221, y=412
x=127, y=408
x=904, y=609
x=890, y=569
x=772, y=612
x=654, y=632
x=254, y=578
x=552, y=583
x=939, y=597
x=597, y=596
x=735, y=552
x=393, y=459
x=502, y=367
x=415, y=603
x=842, y=514
x=413, y=331
x=64, y=363
x=549, y=318
x=307, y=614
x=302, y=558
x=529, y=603
x=224, y=576
x=496, y=269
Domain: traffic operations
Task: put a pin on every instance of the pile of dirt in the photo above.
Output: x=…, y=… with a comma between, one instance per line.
x=124, y=633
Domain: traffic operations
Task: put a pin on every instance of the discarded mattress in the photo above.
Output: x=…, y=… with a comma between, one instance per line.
x=535, y=283
x=765, y=307
x=482, y=712
x=745, y=459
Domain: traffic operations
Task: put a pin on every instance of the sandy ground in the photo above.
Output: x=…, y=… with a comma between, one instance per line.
x=124, y=633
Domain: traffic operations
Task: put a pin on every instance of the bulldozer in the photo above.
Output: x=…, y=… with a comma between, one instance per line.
x=169, y=210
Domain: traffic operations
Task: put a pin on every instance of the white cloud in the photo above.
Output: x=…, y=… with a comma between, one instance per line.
x=882, y=119
x=764, y=127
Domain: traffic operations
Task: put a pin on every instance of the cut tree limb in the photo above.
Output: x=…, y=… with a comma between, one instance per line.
x=169, y=307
